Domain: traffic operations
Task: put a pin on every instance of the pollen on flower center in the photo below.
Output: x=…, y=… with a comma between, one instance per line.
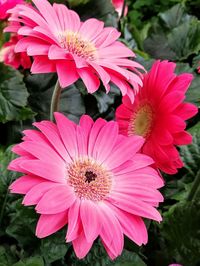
x=75, y=44
x=141, y=121
x=89, y=179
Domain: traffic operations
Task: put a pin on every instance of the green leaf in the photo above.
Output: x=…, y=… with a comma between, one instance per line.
x=174, y=35
x=105, y=101
x=128, y=259
x=6, y=257
x=191, y=153
x=180, y=228
x=41, y=88
x=13, y=96
x=193, y=93
x=22, y=225
x=54, y=247
x=34, y=261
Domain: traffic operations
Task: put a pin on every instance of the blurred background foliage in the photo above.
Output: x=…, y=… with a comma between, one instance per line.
x=152, y=29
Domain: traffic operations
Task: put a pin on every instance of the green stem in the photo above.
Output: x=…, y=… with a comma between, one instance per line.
x=195, y=187
x=55, y=100
x=5, y=202
x=121, y=16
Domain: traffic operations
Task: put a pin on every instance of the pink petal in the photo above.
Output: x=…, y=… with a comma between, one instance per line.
x=57, y=199
x=23, y=184
x=51, y=133
x=108, y=36
x=81, y=246
x=50, y=171
x=91, y=219
x=125, y=151
x=111, y=232
x=90, y=80
x=67, y=130
x=48, y=13
x=134, y=206
x=74, y=225
x=38, y=49
x=182, y=138
x=99, y=123
x=82, y=141
x=42, y=64
x=133, y=226
x=103, y=75
x=50, y=223
x=115, y=50
x=35, y=194
x=19, y=150
x=67, y=72
x=86, y=124
x=91, y=28
x=105, y=141
x=55, y=52
x=42, y=152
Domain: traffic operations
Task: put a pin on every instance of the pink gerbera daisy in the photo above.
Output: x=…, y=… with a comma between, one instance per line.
x=60, y=42
x=158, y=115
x=10, y=58
x=90, y=177
x=5, y=5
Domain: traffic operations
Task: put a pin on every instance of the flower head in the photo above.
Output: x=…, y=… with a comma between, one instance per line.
x=118, y=5
x=175, y=264
x=90, y=177
x=10, y=58
x=60, y=42
x=158, y=115
x=5, y=5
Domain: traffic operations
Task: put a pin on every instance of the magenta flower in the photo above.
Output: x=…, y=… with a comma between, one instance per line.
x=118, y=5
x=90, y=177
x=10, y=58
x=175, y=265
x=158, y=115
x=5, y=5
x=60, y=42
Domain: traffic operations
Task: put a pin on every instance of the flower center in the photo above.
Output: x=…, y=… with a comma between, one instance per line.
x=89, y=179
x=75, y=44
x=141, y=121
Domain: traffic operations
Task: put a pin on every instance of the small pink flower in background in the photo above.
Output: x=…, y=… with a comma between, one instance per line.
x=175, y=265
x=198, y=69
x=118, y=5
x=5, y=5
x=10, y=58
x=158, y=115
x=60, y=42
x=90, y=177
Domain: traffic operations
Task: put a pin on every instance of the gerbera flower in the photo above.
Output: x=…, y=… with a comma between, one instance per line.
x=10, y=58
x=83, y=175
x=118, y=5
x=158, y=115
x=5, y=5
x=60, y=42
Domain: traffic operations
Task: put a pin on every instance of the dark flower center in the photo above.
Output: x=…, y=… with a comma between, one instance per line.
x=90, y=176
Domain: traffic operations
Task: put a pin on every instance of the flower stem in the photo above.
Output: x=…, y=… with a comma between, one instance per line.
x=123, y=9
x=55, y=100
x=120, y=20
x=195, y=187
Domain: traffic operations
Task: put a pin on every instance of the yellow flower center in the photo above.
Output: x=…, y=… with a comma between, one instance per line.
x=89, y=179
x=141, y=121
x=75, y=44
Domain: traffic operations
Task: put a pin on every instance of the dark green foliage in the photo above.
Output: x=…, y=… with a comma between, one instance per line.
x=174, y=35
x=153, y=29
x=13, y=96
